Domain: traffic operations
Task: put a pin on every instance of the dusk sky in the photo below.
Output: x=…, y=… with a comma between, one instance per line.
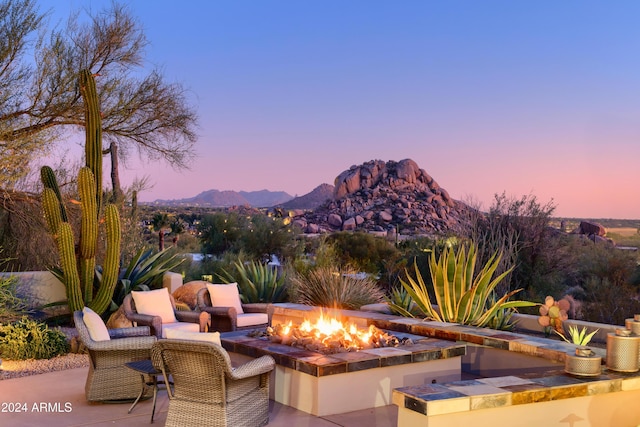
x=527, y=97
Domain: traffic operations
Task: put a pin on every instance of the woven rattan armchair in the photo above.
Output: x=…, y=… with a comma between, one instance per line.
x=155, y=322
x=109, y=379
x=207, y=391
x=225, y=319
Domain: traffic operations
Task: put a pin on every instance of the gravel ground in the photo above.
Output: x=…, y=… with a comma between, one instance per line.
x=24, y=368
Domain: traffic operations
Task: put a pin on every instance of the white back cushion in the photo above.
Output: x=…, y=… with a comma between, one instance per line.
x=225, y=296
x=155, y=303
x=174, y=333
x=97, y=329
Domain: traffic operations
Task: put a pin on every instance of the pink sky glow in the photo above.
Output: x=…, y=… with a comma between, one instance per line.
x=529, y=98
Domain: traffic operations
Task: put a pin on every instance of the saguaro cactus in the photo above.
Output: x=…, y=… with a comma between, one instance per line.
x=79, y=262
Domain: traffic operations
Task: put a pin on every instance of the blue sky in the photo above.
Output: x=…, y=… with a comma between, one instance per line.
x=526, y=97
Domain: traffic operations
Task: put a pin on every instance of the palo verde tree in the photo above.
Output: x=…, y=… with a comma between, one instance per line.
x=40, y=99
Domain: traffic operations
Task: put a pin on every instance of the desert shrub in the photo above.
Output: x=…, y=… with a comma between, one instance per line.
x=12, y=307
x=363, y=251
x=29, y=339
x=603, y=261
x=518, y=228
x=605, y=302
x=335, y=288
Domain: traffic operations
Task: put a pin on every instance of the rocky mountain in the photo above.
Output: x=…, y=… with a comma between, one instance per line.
x=385, y=197
x=224, y=199
x=311, y=200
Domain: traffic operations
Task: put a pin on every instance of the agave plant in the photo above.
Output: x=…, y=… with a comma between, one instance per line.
x=578, y=337
x=143, y=273
x=399, y=297
x=461, y=295
x=258, y=282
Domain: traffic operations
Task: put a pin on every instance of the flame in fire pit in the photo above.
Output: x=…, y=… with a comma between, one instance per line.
x=330, y=335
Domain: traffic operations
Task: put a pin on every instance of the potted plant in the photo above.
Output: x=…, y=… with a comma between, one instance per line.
x=584, y=362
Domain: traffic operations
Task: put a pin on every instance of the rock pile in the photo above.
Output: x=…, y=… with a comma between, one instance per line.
x=383, y=197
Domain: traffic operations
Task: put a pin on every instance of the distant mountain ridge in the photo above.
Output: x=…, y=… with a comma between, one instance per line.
x=311, y=200
x=227, y=198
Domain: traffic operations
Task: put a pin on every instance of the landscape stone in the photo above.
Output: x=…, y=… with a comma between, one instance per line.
x=334, y=220
x=349, y=224
x=187, y=293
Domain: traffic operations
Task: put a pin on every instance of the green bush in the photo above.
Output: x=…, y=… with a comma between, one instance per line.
x=363, y=251
x=29, y=339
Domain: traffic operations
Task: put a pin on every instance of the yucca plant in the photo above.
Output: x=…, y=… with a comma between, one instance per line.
x=578, y=337
x=258, y=282
x=461, y=295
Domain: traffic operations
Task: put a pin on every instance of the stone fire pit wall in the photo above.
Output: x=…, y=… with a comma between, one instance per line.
x=329, y=384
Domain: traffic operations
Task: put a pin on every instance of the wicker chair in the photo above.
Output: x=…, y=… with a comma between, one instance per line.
x=207, y=391
x=155, y=322
x=109, y=379
x=225, y=319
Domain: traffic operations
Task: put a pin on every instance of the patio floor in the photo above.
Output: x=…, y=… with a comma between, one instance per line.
x=62, y=393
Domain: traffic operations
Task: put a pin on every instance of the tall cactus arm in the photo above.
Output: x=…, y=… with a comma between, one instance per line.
x=69, y=269
x=93, y=130
x=89, y=223
x=48, y=179
x=88, y=231
x=51, y=208
x=111, y=262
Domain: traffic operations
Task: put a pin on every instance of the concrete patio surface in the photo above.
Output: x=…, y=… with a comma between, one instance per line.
x=56, y=399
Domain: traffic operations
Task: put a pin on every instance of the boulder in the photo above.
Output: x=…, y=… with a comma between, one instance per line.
x=118, y=320
x=588, y=228
x=187, y=293
x=349, y=224
x=385, y=216
x=334, y=220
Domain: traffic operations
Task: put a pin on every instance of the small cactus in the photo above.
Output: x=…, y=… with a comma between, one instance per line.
x=553, y=313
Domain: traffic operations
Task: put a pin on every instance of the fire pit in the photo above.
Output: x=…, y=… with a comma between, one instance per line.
x=329, y=335
x=317, y=376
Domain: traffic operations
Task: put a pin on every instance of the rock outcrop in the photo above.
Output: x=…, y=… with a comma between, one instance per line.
x=379, y=196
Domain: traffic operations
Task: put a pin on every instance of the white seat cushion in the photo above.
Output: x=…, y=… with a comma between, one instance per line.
x=225, y=296
x=178, y=327
x=155, y=303
x=95, y=325
x=251, y=319
x=174, y=333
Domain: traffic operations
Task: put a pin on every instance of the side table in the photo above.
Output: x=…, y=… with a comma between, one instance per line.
x=145, y=368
